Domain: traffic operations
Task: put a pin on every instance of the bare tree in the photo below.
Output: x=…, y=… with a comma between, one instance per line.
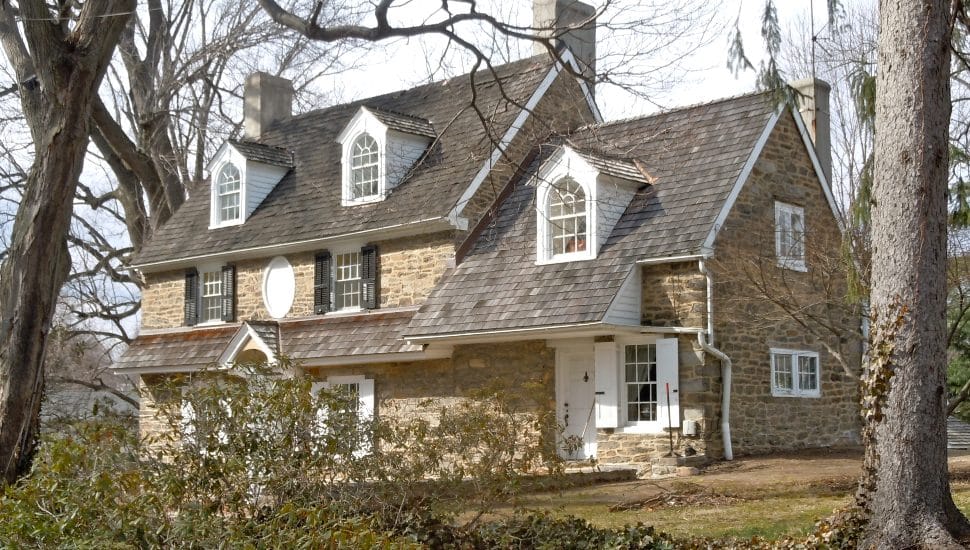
x=60, y=57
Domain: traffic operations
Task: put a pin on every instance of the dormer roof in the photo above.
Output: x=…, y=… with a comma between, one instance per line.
x=404, y=123
x=267, y=154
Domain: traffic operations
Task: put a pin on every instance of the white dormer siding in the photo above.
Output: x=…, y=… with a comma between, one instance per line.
x=397, y=151
x=403, y=151
x=260, y=180
x=606, y=198
x=613, y=196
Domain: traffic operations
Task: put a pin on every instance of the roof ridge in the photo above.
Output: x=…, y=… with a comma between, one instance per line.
x=244, y=141
x=362, y=102
x=607, y=123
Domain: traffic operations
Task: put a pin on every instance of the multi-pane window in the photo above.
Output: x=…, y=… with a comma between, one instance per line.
x=566, y=213
x=229, y=190
x=790, y=236
x=211, y=296
x=364, y=167
x=794, y=373
x=640, y=367
x=346, y=288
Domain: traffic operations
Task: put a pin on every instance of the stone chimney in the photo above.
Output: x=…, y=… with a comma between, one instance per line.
x=552, y=17
x=267, y=99
x=813, y=104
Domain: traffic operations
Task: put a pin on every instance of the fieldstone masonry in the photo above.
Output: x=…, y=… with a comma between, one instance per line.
x=409, y=269
x=746, y=329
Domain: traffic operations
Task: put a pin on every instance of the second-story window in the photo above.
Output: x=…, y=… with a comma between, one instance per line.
x=229, y=191
x=790, y=236
x=347, y=281
x=364, y=167
x=211, y=296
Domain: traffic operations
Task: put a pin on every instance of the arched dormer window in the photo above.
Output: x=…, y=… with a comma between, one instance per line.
x=567, y=220
x=228, y=194
x=364, y=167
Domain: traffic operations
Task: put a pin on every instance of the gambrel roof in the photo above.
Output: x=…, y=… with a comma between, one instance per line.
x=695, y=157
x=305, y=205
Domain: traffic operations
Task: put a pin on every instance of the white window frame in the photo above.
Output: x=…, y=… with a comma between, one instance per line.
x=365, y=395
x=215, y=270
x=544, y=249
x=796, y=389
x=221, y=197
x=666, y=373
x=784, y=215
x=378, y=164
x=335, y=283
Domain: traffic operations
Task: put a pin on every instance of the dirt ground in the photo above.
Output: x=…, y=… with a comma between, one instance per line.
x=819, y=472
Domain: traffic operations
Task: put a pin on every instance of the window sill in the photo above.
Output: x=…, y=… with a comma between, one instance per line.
x=794, y=265
x=225, y=224
x=566, y=258
x=651, y=428
x=363, y=200
x=803, y=395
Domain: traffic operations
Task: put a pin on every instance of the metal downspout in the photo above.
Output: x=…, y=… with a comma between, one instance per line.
x=706, y=344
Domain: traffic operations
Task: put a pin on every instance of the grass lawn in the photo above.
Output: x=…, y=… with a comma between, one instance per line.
x=714, y=507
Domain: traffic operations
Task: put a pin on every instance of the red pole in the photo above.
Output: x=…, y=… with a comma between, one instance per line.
x=670, y=421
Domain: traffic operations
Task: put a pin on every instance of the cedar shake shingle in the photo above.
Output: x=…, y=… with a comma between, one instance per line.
x=695, y=154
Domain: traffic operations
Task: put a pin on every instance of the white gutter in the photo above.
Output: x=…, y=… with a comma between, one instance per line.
x=671, y=259
x=707, y=344
x=390, y=232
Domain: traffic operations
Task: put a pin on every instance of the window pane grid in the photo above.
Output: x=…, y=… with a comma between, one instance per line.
x=364, y=167
x=790, y=233
x=795, y=373
x=347, y=280
x=229, y=187
x=211, y=296
x=640, y=366
x=567, y=218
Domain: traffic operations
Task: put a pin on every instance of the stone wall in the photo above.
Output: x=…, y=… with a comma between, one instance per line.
x=409, y=269
x=674, y=295
x=700, y=390
x=524, y=371
x=746, y=272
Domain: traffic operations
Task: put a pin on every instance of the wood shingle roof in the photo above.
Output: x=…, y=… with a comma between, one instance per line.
x=695, y=156
x=305, y=204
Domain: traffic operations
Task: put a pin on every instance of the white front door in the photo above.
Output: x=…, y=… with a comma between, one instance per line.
x=575, y=403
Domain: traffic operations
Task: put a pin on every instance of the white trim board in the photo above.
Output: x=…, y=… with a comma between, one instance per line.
x=826, y=185
x=567, y=56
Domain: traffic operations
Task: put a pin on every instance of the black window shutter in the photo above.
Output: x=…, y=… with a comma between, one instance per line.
x=321, y=282
x=229, y=293
x=369, y=283
x=191, y=297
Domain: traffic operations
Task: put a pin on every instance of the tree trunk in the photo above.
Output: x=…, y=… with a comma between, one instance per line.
x=68, y=65
x=907, y=494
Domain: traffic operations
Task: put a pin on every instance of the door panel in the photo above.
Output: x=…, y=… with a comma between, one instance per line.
x=575, y=399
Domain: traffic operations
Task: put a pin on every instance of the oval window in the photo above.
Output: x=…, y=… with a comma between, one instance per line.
x=279, y=287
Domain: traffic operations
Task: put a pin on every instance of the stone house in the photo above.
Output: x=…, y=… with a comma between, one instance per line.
x=412, y=248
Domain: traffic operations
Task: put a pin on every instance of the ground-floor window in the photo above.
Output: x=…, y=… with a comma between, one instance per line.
x=794, y=373
x=640, y=367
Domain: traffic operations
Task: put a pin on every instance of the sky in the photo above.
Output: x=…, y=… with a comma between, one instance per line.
x=701, y=76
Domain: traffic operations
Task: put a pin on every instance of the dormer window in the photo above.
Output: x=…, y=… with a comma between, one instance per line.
x=241, y=175
x=229, y=189
x=579, y=199
x=364, y=168
x=380, y=149
x=568, y=223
